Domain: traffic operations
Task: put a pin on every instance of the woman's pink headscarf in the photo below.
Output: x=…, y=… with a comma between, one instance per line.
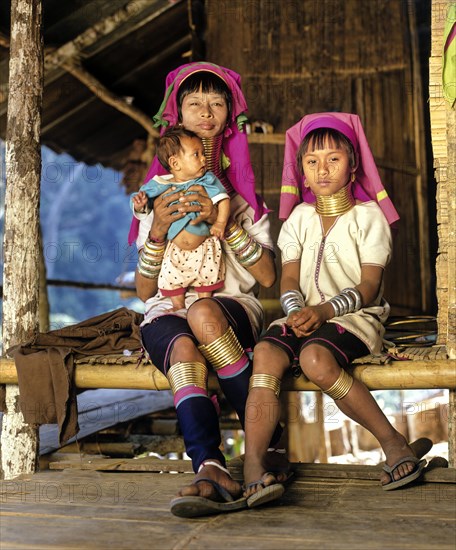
x=235, y=146
x=367, y=185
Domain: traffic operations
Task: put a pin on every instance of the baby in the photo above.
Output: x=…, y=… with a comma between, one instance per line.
x=193, y=255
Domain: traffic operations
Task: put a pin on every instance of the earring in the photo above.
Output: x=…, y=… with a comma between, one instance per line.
x=352, y=177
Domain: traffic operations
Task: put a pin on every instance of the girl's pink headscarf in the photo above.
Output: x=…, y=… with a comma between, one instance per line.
x=234, y=146
x=367, y=185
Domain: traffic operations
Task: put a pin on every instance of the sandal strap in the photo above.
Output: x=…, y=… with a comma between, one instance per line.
x=212, y=463
x=279, y=451
x=224, y=493
x=390, y=469
x=261, y=481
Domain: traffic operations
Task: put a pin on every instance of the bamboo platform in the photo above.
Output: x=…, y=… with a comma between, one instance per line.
x=85, y=504
x=416, y=368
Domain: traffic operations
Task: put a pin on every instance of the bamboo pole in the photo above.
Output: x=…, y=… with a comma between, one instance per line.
x=413, y=375
x=21, y=241
x=420, y=155
x=451, y=322
x=443, y=133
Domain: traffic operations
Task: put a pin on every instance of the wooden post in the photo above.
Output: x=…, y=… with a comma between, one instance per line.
x=44, y=308
x=21, y=242
x=443, y=131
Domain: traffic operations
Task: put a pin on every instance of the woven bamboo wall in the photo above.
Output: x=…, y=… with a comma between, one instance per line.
x=358, y=56
x=443, y=129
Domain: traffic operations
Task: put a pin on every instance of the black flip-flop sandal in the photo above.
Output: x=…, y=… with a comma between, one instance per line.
x=412, y=476
x=196, y=506
x=267, y=493
x=420, y=447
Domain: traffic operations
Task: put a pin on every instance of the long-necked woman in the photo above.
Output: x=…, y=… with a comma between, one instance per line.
x=218, y=332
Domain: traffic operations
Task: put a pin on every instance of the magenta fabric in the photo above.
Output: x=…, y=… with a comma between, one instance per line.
x=235, y=146
x=367, y=186
x=188, y=391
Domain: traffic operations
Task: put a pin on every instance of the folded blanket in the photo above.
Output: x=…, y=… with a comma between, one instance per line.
x=45, y=365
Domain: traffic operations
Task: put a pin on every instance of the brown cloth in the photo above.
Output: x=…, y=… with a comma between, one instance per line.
x=45, y=365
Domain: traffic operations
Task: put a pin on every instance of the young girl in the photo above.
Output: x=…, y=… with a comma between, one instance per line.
x=335, y=246
x=193, y=256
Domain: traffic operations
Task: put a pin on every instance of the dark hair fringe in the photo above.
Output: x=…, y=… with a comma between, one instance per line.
x=317, y=139
x=209, y=83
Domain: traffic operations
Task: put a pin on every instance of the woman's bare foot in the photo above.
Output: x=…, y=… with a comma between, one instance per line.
x=396, y=449
x=206, y=489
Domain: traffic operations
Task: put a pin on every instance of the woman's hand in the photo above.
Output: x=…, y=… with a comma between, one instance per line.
x=309, y=318
x=207, y=210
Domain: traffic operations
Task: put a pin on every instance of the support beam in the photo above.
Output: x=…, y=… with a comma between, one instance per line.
x=173, y=50
x=21, y=236
x=106, y=28
x=100, y=91
x=99, y=36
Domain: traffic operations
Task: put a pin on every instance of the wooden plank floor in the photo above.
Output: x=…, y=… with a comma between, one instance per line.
x=326, y=507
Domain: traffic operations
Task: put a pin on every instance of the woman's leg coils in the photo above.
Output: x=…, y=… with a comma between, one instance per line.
x=233, y=369
x=196, y=413
x=187, y=379
x=225, y=354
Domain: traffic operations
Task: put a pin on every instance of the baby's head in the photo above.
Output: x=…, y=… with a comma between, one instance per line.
x=181, y=152
x=325, y=138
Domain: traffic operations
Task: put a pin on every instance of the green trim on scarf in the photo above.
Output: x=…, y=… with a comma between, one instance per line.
x=224, y=161
x=240, y=121
x=158, y=118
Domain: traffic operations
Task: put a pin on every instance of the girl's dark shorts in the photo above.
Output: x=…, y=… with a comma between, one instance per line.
x=344, y=345
x=159, y=336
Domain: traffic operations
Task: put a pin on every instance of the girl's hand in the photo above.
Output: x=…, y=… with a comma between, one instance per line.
x=310, y=318
x=165, y=213
x=207, y=210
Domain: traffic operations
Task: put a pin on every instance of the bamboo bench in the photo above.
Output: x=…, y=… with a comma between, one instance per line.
x=429, y=369
x=432, y=371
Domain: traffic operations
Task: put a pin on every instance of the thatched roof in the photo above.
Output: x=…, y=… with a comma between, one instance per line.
x=129, y=54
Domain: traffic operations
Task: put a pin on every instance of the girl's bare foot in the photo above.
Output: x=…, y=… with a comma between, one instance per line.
x=256, y=477
x=396, y=449
x=276, y=461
